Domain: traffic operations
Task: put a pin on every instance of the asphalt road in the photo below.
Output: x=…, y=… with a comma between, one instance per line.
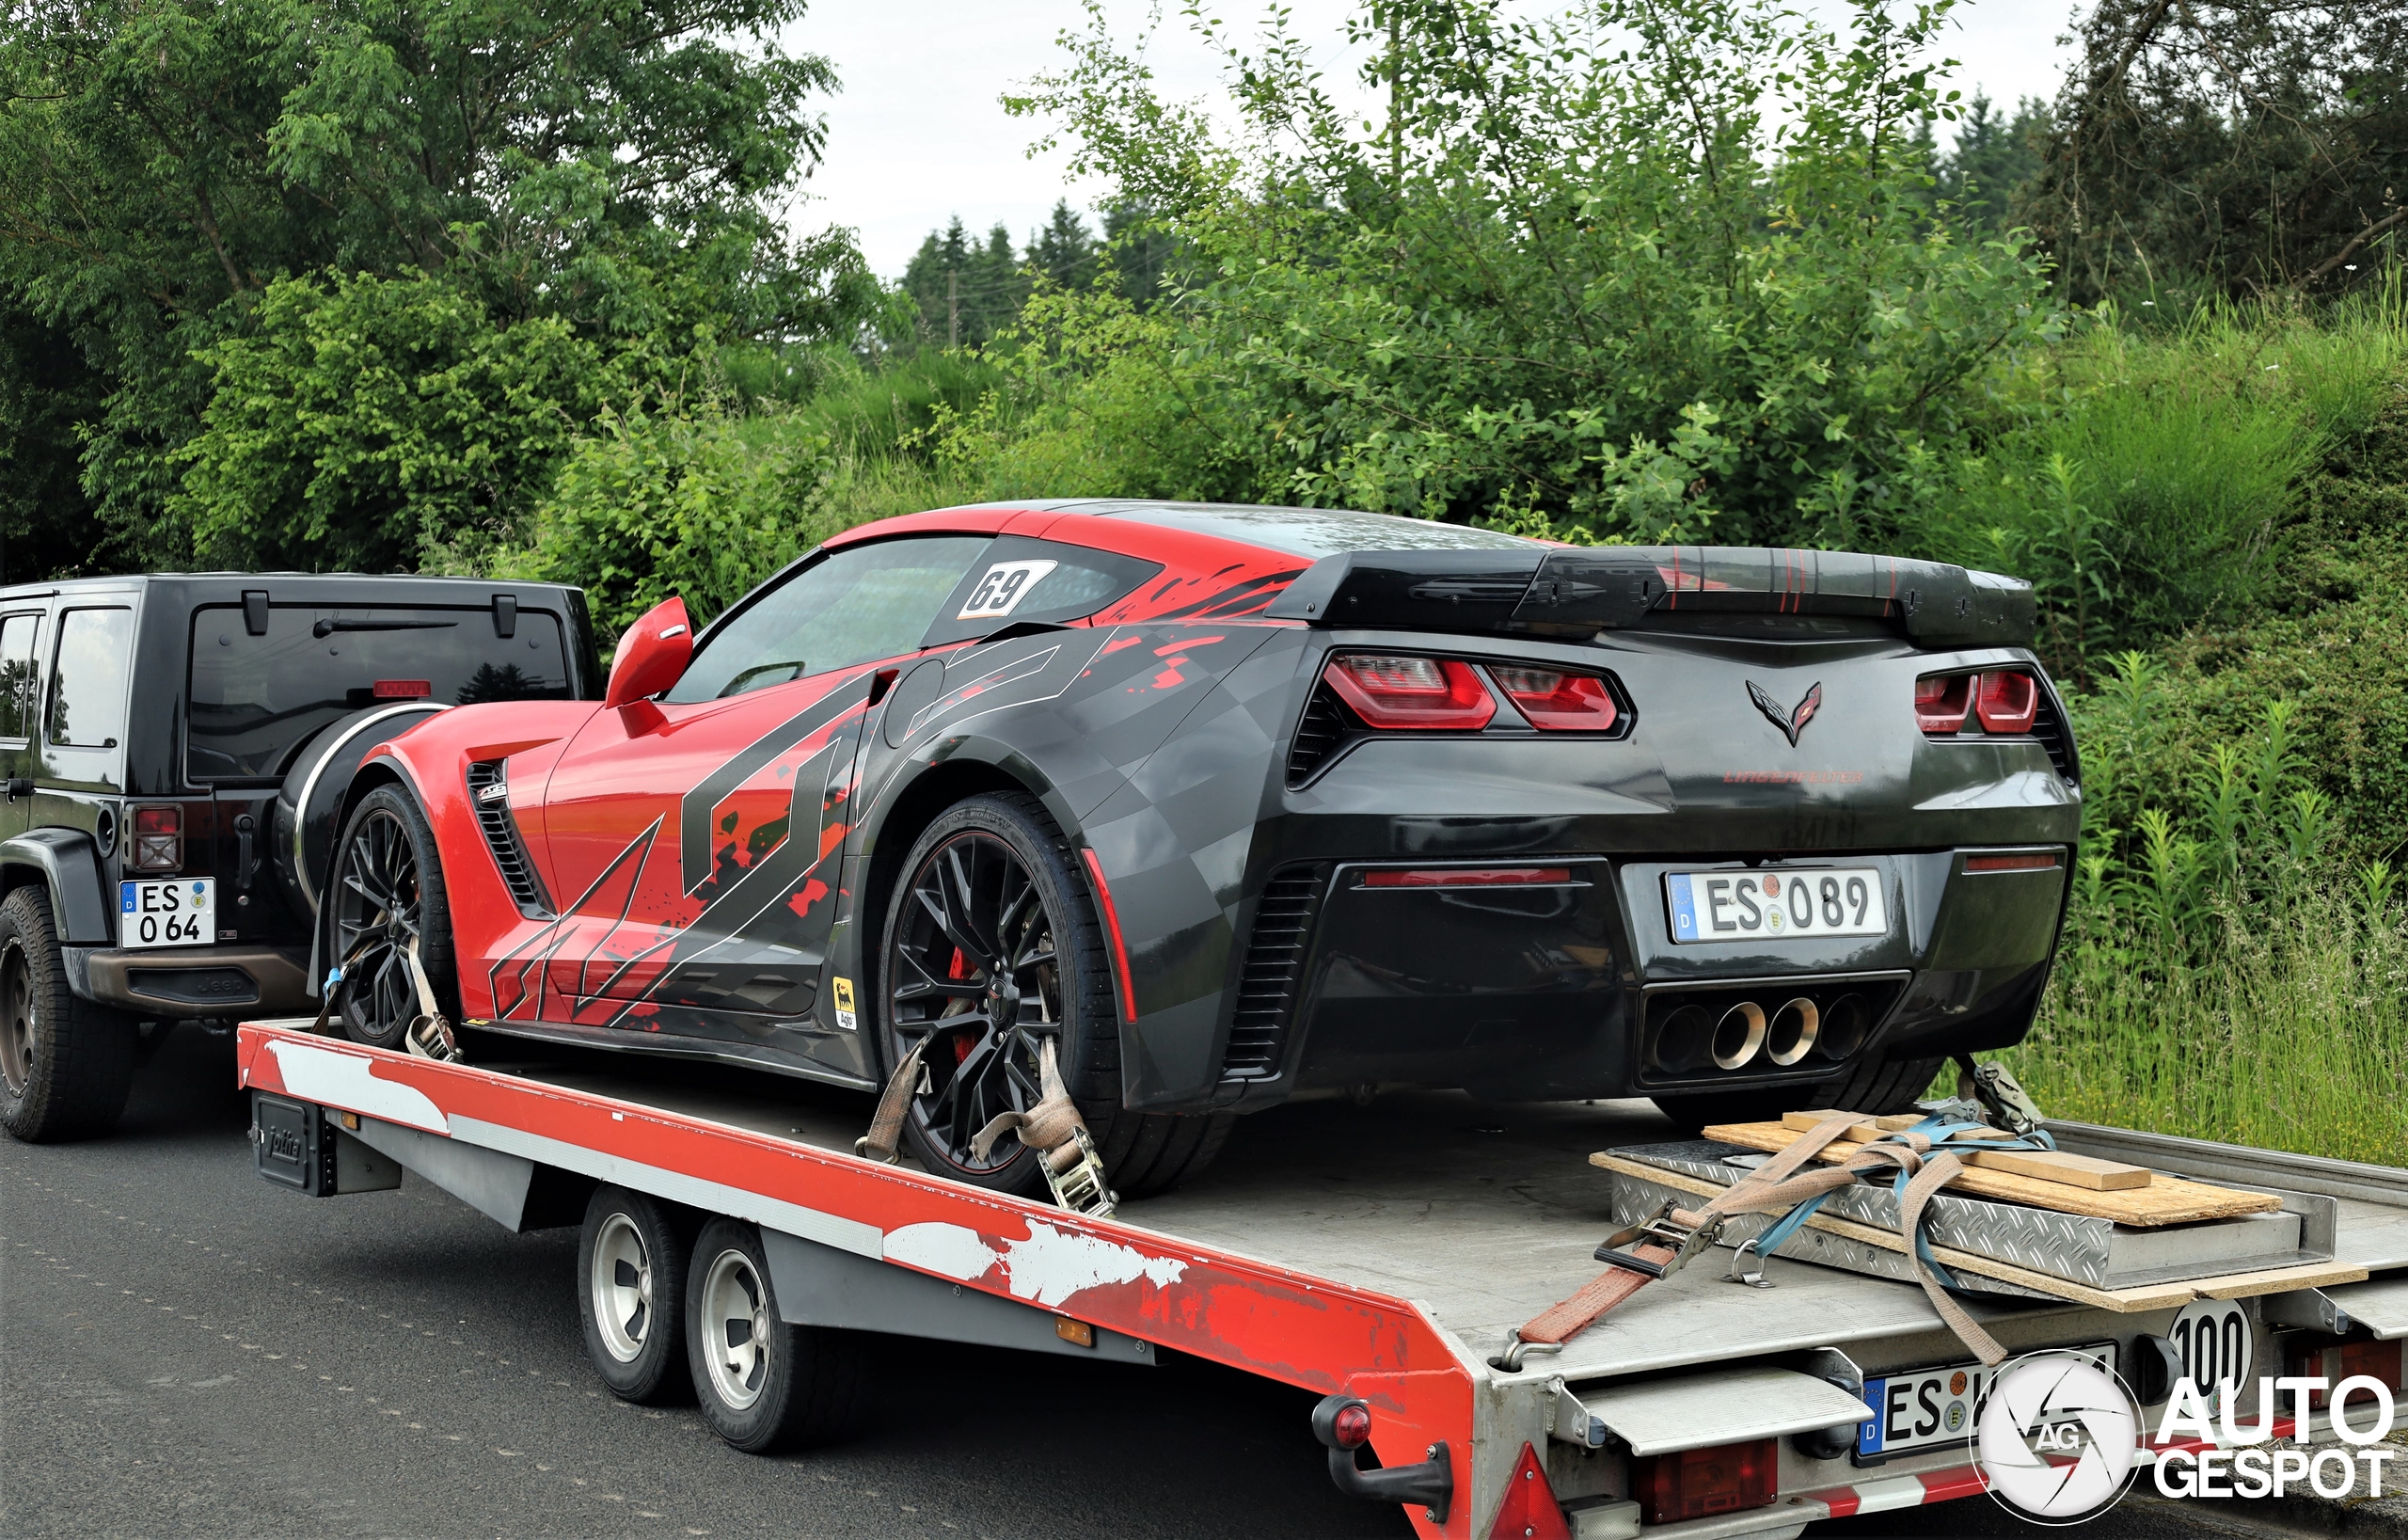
x=185, y=1351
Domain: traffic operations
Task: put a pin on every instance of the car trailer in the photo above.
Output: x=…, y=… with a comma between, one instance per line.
x=1389, y=1279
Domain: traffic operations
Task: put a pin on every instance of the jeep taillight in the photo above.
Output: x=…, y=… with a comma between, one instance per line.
x=1942, y=700
x=1555, y=701
x=1698, y=1483
x=2007, y=701
x=1394, y=691
x=158, y=839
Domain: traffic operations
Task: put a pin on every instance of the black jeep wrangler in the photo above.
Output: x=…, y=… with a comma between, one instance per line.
x=175, y=750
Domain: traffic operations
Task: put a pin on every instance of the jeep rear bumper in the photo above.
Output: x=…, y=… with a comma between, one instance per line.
x=186, y=982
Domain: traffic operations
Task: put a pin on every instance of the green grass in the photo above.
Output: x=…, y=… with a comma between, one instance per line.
x=2293, y=1038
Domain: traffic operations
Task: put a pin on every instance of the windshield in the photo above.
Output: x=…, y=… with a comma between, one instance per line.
x=256, y=700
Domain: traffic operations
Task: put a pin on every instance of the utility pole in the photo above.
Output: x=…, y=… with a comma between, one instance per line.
x=952, y=308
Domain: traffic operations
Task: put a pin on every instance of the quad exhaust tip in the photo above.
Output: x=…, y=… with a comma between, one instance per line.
x=1794, y=1028
x=1738, y=1035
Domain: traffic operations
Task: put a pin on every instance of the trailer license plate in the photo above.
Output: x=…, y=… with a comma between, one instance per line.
x=1777, y=905
x=1917, y=1408
x=182, y=913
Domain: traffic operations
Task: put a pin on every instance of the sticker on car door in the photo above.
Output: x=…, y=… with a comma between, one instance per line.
x=1000, y=592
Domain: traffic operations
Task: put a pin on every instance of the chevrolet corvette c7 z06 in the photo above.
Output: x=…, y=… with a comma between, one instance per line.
x=1246, y=805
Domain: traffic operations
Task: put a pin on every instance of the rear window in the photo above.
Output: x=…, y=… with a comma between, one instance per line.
x=256, y=700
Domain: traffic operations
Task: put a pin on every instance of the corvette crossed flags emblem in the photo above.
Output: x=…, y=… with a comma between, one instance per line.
x=1790, y=723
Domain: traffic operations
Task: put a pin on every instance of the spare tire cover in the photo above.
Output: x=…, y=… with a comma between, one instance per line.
x=311, y=798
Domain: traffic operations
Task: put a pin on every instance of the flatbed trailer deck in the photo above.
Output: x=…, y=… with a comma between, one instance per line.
x=1383, y=1254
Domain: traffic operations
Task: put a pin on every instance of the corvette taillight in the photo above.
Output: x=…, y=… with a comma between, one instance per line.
x=2001, y=701
x=2007, y=701
x=1942, y=700
x=1394, y=691
x=1555, y=701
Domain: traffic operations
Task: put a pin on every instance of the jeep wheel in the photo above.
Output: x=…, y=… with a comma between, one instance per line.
x=66, y=1064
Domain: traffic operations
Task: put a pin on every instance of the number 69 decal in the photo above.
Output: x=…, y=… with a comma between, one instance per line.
x=1000, y=590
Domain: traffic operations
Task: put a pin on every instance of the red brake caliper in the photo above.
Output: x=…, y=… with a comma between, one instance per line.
x=959, y=968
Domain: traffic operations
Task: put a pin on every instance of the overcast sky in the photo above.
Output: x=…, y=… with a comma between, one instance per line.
x=917, y=135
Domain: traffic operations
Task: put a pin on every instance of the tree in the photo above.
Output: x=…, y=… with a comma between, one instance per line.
x=1658, y=269
x=2236, y=147
x=612, y=165
x=1989, y=170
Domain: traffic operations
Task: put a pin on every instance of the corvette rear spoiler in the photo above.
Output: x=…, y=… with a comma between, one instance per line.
x=1580, y=591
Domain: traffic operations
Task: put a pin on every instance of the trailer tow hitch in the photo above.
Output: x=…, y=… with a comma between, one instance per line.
x=1343, y=1423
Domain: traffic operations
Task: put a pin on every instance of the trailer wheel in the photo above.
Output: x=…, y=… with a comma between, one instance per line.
x=631, y=1259
x=66, y=1064
x=764, y=1384
x=992, y=943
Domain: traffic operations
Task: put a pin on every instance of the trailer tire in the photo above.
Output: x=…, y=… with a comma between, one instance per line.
x=1143, y=1152
x=631, y=1264
x=764, y=1383
x=66, y=1064
x=1875, y=1085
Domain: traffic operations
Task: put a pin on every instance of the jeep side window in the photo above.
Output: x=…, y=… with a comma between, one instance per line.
x=856, y=606
x=87, y=679
x=17, y=677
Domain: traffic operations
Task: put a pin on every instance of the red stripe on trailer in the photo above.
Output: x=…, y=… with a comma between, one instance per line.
x=1964, y=1481
x=1281, y=1324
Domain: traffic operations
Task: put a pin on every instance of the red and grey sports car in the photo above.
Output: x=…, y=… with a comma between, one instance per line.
x=1244, y=804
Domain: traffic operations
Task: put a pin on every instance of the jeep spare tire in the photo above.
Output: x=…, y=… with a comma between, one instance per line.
x=308, y=806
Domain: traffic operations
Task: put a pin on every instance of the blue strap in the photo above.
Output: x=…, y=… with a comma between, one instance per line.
x=1943, y=1134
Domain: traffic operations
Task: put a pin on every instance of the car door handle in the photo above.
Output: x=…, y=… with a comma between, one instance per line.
x=243, y=828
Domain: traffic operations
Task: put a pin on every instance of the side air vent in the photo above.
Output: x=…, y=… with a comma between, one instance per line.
x=1323, y=731
x=1275, y=962
x=2049, y=726
x=489, y=794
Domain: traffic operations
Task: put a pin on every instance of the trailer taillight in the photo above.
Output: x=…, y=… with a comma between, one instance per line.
x=1555, y=701
x=1695, y=1483
x=158, y=839
x=1395, y=693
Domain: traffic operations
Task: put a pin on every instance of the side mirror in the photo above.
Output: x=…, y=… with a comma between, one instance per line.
x=652, y=656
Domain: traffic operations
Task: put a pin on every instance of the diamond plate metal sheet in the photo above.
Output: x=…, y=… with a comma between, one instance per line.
x=2082, y=1248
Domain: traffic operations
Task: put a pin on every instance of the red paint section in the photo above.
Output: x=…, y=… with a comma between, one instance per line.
x=1944, y=1485
x=1112, y=924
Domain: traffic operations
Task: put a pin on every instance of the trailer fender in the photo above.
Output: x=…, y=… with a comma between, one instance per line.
x=822, y=1286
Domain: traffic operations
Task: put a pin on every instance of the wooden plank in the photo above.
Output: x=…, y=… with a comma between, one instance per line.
x=2155, y=1296
x=2167, y=1200
x=2039, y=1165
x=2280, y=1280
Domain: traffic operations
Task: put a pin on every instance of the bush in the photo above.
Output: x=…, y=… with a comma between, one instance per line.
x=680, y=499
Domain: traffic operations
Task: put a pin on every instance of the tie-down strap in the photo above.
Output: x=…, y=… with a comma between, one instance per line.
x=1661, y=1244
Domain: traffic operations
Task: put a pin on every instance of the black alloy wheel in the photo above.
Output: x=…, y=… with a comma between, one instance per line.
x=974, y=978
x=387, y=893
x=17, y=1027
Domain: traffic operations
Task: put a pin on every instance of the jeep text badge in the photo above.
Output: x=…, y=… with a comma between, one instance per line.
x=1790, y=723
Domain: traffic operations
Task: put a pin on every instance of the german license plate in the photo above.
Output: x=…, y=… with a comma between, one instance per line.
x=1918, y=1408
x=180, y=913
x=1710, y=905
